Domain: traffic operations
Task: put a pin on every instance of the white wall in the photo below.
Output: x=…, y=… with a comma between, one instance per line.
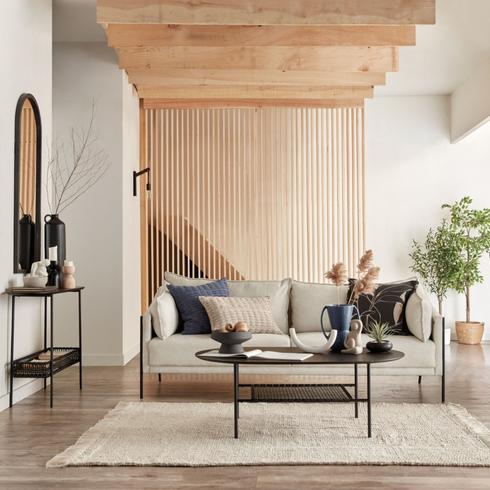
x=97, y=239
x=411, y=169
x=470, y=103
x=25, y=58
x=131, y=293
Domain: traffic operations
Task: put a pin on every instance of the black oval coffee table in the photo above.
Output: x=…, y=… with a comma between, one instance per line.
x=304, y=393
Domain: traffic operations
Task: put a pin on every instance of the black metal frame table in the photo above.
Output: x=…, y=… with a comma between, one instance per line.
x=307, y=392
x=26, y=367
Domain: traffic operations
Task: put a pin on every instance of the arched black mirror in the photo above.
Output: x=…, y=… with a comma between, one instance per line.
x=27, y=184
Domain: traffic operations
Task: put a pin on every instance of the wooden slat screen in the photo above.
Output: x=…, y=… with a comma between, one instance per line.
x=27, y=176
x=251, y=193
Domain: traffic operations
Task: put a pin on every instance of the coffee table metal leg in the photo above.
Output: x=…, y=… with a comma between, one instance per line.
x=235, y=393
x=368, y=367
x=356, y=392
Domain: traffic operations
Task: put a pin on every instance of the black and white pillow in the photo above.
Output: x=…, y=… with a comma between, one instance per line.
x=386, y=305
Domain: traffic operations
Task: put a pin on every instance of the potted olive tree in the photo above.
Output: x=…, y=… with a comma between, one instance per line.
x=434, y=261
x=470, y=230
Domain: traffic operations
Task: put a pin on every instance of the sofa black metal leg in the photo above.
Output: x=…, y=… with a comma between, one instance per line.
x=443, y=379
x=141, y=358
x=420, y=380
x=159, y=377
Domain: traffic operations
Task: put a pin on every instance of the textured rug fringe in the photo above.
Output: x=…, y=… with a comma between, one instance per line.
x=84, y=441
x=478, y=428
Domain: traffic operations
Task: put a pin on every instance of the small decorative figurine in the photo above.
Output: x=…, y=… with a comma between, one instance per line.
x=353, y=344
x=39, y=269
x=68, y=275
x=38, y=275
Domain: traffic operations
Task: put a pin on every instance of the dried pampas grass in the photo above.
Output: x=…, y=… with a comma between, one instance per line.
x=365, y=262
x=367, y=275
x=337, y=274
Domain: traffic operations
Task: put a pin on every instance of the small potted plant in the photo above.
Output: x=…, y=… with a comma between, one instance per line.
x=471, y=235
x=379, y=332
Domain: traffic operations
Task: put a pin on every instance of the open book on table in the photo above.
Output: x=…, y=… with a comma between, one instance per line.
x=260, y=354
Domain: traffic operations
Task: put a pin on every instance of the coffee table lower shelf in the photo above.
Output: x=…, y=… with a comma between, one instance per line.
x=299, y=393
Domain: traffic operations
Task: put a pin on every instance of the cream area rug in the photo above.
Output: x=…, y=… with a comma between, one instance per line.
x=201, y=434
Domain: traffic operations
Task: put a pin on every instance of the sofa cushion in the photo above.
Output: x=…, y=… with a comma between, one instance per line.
x=255, y=312
x=194, y=317
x=179, y=350
x=307, y=302
x=386, y=305
x=164, y=313
x=278, y=292
x=418, y=314
x=417, y=354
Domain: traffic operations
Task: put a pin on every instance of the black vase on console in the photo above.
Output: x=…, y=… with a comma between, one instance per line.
x=27, y=232
x=54, y=236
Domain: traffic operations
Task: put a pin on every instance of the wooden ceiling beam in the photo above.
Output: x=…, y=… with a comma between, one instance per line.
x=267, y=12
x=254, y=77
x=234, y=92
x=248, y=103
x=155, y=35
x=340, y=59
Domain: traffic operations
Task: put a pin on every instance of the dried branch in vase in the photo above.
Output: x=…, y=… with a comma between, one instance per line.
x=75, y=168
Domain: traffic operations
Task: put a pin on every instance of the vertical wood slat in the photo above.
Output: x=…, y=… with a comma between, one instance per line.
x=251, y=193
x=27, y=175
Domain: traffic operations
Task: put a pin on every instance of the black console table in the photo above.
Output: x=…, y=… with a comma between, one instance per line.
x=29, y=366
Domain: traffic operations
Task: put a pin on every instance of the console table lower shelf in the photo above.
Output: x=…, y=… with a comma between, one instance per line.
x=30, y=367
x=305, y=393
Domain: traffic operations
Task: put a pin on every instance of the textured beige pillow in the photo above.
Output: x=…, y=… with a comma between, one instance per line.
x=255, y=311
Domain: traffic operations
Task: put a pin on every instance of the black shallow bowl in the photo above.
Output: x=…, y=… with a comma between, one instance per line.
x=231, y=342
x=379, y=346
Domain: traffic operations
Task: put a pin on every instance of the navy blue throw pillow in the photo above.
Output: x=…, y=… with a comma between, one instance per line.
x=192, y=313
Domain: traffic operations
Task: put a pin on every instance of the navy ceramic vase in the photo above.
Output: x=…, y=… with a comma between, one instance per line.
x=340, y=317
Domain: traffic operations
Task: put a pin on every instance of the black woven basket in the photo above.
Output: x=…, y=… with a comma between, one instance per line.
x=27, y=367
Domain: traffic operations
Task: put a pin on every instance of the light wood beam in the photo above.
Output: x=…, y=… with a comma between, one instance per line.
x=342, y=59
x=221, y=103
x=254, y=92
x=187, y=77
x=266, y=12
x=152, y=35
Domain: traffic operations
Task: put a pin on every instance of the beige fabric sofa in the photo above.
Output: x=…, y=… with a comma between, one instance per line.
x=295, y=304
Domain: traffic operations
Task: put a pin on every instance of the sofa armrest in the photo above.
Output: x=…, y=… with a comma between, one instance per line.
x=146, y=336
x=438, y=338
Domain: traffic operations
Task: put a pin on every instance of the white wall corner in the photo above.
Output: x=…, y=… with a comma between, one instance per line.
x=470, y=103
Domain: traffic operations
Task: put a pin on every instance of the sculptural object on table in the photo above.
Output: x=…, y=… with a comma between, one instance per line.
x=353, y=343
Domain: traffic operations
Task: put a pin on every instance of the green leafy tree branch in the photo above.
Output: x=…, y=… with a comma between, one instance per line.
x=434, y=261
x=470, y=229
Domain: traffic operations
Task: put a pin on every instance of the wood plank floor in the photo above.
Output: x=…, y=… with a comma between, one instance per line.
x=31, y=433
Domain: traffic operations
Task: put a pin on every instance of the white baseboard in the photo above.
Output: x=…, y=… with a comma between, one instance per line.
x=111, y=359
x=103, y=360
x=21, y=392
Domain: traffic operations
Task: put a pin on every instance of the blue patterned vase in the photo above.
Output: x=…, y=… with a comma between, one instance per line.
x=340, y=317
